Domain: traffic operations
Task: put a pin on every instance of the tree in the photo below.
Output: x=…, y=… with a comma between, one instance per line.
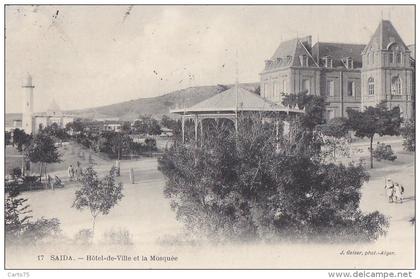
x=7, y=138
x=20, y=139
x=375, y=120
x=237, y=187
x=16, y=211
x=408, y=131
x=147, y=125
x=18, y=225
x=98, y=195
x=334, y=133
x=151, y=144
x=77, y=126
x=126, y=127
x=120, y=144
x=174, y=125
x=42, y=150
x=314, y=107
x=55, y=131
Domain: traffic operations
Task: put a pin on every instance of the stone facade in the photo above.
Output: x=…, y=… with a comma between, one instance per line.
x=388, y=71
x=342, y=73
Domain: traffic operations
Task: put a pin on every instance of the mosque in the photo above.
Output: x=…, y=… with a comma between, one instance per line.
x=31, y=121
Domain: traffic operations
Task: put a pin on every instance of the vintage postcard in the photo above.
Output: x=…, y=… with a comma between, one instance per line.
x=209, y=137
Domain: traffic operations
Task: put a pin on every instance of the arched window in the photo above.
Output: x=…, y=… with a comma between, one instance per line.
x=398, y=54
x=396, y=86
x=395, y=54
x=371, y=86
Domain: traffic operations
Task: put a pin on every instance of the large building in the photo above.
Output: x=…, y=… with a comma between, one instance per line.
x=32, y=122
x=347, y=75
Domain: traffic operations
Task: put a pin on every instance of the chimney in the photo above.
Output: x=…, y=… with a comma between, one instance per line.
x=307, y=42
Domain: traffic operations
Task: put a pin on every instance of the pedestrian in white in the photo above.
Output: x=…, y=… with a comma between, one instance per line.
x=389, y=186
x=70, y=172
x=398, y=192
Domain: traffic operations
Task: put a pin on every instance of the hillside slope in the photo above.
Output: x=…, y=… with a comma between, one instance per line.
x=157, y=106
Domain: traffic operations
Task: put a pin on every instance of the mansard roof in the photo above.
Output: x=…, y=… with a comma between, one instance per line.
x=288, y=52
x=384, y=36
x=338, y=52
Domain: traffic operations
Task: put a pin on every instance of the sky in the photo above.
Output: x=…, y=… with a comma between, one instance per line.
x=89, y=56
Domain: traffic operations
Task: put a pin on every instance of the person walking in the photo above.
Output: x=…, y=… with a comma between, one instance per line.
x=389, y=187
x=398, y=192
x=70, y=172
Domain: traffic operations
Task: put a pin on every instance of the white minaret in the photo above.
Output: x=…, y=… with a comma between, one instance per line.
x=28, y=104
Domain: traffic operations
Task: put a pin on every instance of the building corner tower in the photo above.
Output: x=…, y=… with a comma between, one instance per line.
x=388, y=71
x=28, y=104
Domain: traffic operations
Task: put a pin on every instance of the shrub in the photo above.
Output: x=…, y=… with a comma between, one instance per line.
x=16, y=172
x=384, y=152
x=408, y=131
x=83, y=237
x=182, y=239
x=242, y=188
x=118, y=237
x=41, y=229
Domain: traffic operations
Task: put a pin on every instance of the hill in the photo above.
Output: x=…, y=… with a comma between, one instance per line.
x=157, y=106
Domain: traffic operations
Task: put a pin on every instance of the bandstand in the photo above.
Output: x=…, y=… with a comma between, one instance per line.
x=228, y=105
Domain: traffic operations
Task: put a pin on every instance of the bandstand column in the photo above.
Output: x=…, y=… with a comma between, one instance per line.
x=196, y=128
x=183, y=128
x=201, y=132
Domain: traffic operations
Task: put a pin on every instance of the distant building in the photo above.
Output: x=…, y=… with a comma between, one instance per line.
x=114, y=127
x=347, y=75
x=13, y=124
x=166, y=132
x=32, y=122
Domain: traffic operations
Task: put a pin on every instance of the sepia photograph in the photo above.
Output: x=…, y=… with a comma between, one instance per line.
x=209, y=137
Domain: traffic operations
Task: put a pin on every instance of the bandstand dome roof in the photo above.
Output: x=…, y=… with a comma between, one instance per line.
x=226, y=102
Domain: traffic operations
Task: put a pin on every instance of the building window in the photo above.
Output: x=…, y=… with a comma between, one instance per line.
x=350, y=89
x=306, y=85
x=371, y=58
x=349, y=63
x=327, y=62
x=371, y=86
x=391, y=58
x=396, y=86
x=330, y=88
x=398, y=56
x=265, y=90
x=303, y=60
x=276, y=92
x=284, y=86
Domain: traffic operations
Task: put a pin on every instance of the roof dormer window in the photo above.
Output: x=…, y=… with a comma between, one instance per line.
x=303, y=60
x=327, y=62
x=348, y=62
x=268, y=63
